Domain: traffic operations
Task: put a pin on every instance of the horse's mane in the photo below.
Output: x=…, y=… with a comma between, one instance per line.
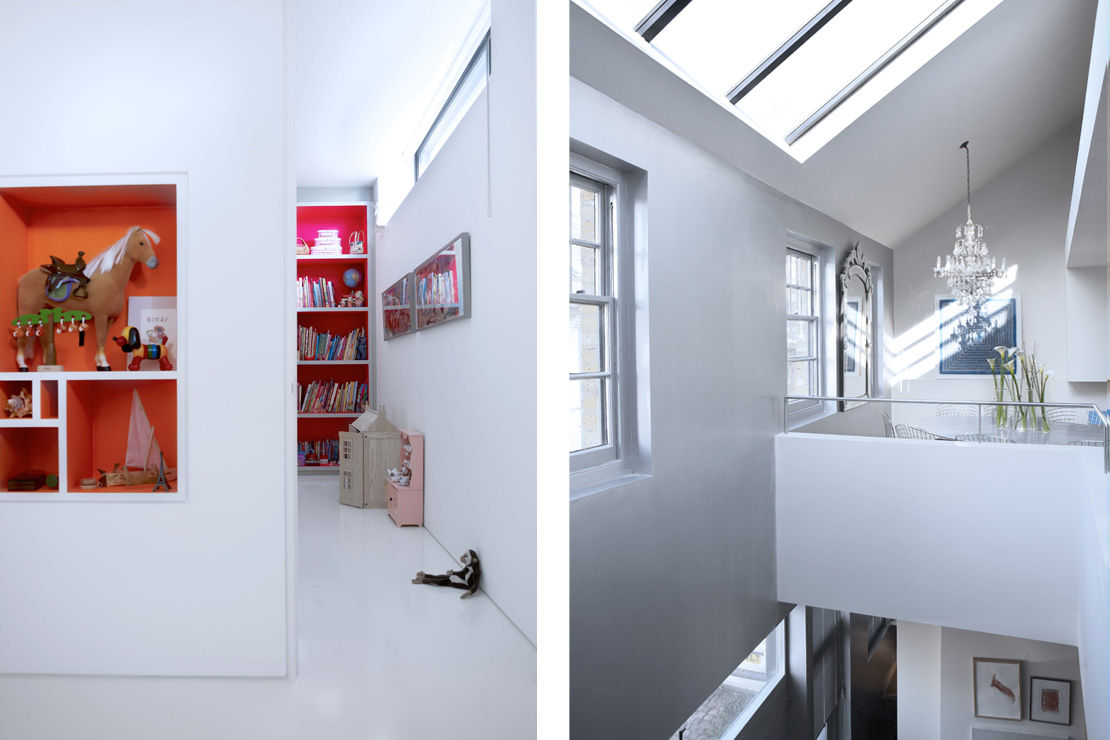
x=113, y=255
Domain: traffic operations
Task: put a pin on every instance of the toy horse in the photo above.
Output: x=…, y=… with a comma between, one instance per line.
x=133, y=343
x=108, y=274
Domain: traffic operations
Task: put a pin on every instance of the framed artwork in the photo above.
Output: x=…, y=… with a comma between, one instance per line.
x=155, y=317
x=442, y=285
x=1050, y=700
x=397, y=308
x=997, y=685
x=971, y=361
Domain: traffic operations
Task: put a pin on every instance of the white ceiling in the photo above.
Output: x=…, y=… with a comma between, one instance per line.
x=364, y=73
x=1008, y=84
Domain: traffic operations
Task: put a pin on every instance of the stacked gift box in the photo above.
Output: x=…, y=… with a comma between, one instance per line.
x=327, y=242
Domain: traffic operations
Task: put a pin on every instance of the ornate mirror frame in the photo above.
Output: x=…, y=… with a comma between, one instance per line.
x=856, y=339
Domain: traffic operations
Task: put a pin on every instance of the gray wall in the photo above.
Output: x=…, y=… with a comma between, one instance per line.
x=673, y=577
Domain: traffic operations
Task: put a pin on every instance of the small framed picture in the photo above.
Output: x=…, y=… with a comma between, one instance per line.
x=997, y=688
x=397, y=308
x=1050, y=700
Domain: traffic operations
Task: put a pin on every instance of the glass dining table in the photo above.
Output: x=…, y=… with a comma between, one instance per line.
x=1059, y=433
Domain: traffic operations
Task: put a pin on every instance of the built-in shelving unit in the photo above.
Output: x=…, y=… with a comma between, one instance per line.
x=319, y=431
x=79, y=420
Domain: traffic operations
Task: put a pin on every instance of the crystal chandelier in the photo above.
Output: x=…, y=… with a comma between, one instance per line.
x=971, y=273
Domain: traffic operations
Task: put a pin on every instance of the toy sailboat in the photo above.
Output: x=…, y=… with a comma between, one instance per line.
x=144, y=457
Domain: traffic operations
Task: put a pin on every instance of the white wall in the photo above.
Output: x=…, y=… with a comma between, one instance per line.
x=1087, y=216
x=470, y=387
x=1086, y=324
x=673, y=577
x=935, y=532
x=1025, y=211
x=919, y=653
x=196, y=587
x=1094, y=657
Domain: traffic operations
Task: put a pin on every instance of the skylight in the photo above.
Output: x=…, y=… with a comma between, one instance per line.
x=787, y=66
x=827, y=63
x=718, y=42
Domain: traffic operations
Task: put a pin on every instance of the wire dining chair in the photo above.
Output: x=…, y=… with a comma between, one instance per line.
x=1066, y=416
x=905, y=431
x=956, y=409
x=888, y=425
x=983, y=438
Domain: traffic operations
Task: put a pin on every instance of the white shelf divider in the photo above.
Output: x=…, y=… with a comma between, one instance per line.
x=334, y=257
x=363, y=309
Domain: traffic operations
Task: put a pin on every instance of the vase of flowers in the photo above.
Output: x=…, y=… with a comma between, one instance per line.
x=1002, y=372
x=1036, y=382
x=1016, y=372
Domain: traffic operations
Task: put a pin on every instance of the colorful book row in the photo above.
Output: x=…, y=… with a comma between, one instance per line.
x=438, y=289
x=315, y=293
x=312, y=345
x=325, y=449
x=330, y=397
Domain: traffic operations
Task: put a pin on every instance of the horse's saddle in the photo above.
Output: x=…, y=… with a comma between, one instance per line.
x=64, y=281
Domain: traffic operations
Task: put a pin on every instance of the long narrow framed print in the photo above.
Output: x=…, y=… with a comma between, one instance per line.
x=442, y=285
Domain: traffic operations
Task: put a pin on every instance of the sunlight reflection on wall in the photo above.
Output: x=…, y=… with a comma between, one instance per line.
x=916, y=350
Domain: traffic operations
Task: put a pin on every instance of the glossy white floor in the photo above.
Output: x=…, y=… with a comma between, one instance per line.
x=380, y=658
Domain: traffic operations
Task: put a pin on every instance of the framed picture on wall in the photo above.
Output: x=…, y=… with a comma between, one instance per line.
x=397, y=308
x=970, y=359
x=1050, y=700
x=442, y=285
x=997, y=686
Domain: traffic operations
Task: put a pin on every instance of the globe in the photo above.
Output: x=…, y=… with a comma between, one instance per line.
x=352, y=277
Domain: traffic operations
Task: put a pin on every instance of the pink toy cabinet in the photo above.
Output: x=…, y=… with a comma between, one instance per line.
x=406, y=502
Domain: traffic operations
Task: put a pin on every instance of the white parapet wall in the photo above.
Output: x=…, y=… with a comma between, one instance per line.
x=1000, y=538
x=979, y=537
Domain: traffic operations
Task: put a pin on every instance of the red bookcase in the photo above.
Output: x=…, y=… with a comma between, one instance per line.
x=330, y=370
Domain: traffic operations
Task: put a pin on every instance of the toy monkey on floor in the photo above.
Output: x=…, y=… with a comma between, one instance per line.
x=466, y=579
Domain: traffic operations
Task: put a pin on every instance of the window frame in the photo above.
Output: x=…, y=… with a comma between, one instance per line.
x=606, y=183
x=777, y=662
x=802, y=412
x=434, y=134
x=798, y=409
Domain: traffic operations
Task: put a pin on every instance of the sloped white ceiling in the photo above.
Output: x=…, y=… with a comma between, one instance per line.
x=1008, y=84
